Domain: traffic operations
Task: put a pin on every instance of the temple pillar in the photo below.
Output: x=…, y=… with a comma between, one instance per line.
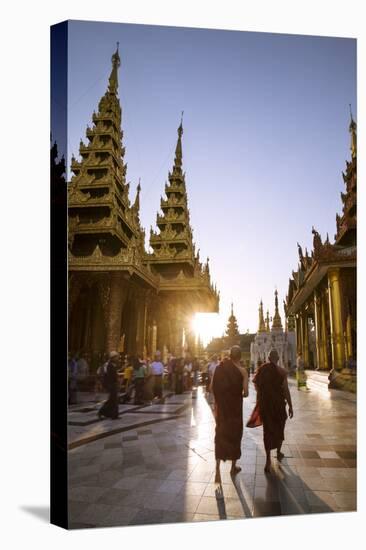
x=298, y=334
x=304, y=337
x=318, y=330
x=141, y=307
x=324, y=335
x=349, y=336
x=336, y=325
x=117, y=298
x=87, y=326
x=154, y=338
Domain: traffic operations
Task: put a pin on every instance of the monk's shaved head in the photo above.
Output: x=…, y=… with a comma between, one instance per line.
x=273, y=356
x=235, y=353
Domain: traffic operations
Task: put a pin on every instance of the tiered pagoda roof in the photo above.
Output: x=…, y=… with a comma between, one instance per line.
x=100, y=213
x=232, y=326
x=173, y=242
x=346, y=223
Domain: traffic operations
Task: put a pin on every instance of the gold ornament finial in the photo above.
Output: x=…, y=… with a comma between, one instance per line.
x=262, y=326
x=113, y=79
x=353, y=132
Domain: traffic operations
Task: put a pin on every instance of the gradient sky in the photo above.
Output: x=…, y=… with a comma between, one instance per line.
x=265, y=139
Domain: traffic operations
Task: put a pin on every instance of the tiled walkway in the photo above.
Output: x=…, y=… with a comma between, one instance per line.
x=156, y=463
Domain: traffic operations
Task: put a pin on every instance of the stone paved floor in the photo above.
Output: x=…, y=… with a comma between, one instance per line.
x=156, y=463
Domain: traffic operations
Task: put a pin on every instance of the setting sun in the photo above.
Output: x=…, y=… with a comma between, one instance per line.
x=207, y=325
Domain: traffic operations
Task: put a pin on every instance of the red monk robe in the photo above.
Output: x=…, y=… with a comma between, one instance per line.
x=270, y=381
x=227, y=386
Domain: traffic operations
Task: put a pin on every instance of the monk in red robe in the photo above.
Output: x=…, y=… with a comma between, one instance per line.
x=229, y=386
x=272, y=395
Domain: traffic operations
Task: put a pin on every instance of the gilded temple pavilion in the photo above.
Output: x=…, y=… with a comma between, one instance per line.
x=120, y=296
x=322, y=291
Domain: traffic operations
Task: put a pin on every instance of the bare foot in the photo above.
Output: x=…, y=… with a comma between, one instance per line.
x=267, y=468
x=218, y=478
x=235, y=470
x=280, y=456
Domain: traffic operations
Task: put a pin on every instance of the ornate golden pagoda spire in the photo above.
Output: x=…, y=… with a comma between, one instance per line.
x=113, y=79
x=98, y=194
x=268, y=329
x=175, y=240
x=347, y=221
x=277, y=323
x=177, y=168
x=136, y=204
x=353, y=132
x=262, y=326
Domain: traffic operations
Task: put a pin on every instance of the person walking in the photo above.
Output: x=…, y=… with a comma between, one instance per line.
x=138, y=378
x=111, y=383
x=157, y=369
x=229, y=385
x=273, y=394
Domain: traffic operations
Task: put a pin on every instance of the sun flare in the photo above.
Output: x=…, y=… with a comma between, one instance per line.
x=206, y=326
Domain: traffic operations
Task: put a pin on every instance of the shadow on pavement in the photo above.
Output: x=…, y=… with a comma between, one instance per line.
x=40, y=512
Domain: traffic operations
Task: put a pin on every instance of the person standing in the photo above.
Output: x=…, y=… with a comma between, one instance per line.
x=204, y=375
x=211, y=368
x=195, y=371
x=111, y=383
x=170, y=366
x=72, y=380
x=148, y=382
x=273, y=394
x=82, y=369
x=157, y=370
x=229, y=385
x=178, y=376
x=127, y=375
x=139, y=379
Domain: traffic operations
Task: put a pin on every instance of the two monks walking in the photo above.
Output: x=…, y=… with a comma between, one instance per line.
x=230, y=385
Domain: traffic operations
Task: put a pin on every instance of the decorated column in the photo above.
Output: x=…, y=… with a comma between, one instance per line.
x=335, y=310
x=116, y=301
x=318, y=330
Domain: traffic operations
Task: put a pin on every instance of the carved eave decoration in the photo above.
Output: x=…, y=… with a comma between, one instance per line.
x=126, y=260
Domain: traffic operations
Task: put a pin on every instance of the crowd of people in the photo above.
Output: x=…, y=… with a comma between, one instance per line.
x=225, y=379
x=138, y=380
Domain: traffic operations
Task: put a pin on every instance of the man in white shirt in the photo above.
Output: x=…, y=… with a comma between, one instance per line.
x=157, y=370
x=211, y=368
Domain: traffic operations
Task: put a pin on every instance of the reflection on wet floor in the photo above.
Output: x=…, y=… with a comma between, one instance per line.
x=156, y=464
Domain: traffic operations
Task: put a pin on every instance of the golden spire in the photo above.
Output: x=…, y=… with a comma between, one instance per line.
x=353, y=132
x=178, y=150
x=267, y=322
x=277, y=323
x=136, y=204
x=262, y=326
x=113, y=79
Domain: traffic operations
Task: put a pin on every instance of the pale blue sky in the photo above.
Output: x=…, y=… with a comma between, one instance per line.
x=265, y=138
